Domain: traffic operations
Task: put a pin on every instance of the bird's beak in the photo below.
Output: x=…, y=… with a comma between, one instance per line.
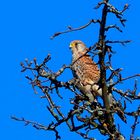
x=71, y=45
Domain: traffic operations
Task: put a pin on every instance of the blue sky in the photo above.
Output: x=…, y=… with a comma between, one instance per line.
x=25, y=30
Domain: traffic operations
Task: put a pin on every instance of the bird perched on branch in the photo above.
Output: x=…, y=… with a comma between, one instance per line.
x=86, y=71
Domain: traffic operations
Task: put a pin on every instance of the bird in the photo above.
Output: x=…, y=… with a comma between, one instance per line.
x=87, y=72
x=85, y=69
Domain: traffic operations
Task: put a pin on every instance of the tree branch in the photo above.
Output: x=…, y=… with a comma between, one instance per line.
x=70, y=29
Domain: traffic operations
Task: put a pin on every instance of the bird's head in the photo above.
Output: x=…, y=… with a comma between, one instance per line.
x=77, y=46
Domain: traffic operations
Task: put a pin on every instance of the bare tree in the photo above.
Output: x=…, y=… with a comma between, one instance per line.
x=97, y=115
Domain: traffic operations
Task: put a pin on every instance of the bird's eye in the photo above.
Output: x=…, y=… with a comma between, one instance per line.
x=76, y=45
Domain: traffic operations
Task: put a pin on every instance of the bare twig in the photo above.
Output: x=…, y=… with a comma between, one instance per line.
x=70, y=29
x=38, y=125
x=113, y=26
x=119, y=41
x=136, y=122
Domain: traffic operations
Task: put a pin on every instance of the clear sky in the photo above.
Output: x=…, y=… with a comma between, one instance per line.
x=25, y=30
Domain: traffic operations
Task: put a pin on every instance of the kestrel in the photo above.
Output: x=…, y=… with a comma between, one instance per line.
x=88, y=74
x=84, y=68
